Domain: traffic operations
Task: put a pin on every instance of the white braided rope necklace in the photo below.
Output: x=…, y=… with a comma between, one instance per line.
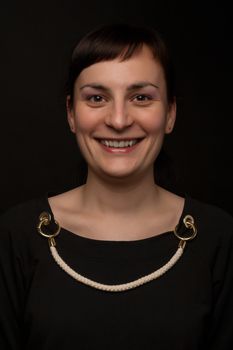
x=45, y=219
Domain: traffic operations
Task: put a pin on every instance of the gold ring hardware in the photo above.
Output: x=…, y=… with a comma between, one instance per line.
x=44, y=220
x=189, y=224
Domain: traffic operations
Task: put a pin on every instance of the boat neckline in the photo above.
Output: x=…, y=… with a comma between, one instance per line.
x=86, y=239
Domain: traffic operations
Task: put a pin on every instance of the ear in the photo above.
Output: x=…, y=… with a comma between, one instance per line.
x=70, y=114
x=171, y=118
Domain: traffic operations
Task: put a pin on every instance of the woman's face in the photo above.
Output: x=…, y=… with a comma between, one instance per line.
x=120, y=114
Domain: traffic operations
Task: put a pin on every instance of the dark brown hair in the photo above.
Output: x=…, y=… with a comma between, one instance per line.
x=119, y=40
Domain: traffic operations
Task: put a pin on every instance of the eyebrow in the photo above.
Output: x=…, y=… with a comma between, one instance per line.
x=131, y=87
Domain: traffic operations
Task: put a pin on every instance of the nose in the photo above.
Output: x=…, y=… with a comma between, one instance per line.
x=118, y=116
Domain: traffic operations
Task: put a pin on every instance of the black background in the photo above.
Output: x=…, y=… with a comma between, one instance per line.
x=38, y=152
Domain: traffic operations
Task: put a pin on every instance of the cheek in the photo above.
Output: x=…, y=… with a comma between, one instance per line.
x=154, y=121
x=85, y=121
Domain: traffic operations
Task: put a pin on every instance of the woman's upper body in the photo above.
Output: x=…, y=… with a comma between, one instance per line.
x=189, y=307
x=119, y=225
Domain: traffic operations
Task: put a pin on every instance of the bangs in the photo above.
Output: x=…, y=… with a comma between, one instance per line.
x=118, y=41
x=99, y=46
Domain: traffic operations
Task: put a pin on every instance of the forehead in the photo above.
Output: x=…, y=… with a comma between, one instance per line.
x=142, y=66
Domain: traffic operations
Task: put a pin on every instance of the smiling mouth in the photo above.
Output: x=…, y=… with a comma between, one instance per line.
x=119, y=143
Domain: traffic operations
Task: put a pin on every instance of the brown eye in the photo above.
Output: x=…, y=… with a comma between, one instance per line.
x=95, y=98
x=142, y=98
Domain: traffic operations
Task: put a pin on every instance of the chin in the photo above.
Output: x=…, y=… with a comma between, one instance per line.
x=118, y=174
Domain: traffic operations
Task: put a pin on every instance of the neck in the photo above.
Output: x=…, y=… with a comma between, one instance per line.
x=120, y=196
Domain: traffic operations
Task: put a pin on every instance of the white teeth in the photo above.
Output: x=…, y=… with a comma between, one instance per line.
x=130, y=143
x=118, y=144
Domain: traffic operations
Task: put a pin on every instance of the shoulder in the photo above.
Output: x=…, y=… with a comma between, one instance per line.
x=23, y=216
x=19, y=237
x=213, y=223
x=210, y=213
x=212, y=248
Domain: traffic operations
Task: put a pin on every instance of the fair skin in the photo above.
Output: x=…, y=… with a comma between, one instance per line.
x=120, y=101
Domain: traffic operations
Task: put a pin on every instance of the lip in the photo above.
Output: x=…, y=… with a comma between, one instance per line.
x=121, y=150
x=119, y=139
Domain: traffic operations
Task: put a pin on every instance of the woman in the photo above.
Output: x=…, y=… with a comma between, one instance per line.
x=130, y=264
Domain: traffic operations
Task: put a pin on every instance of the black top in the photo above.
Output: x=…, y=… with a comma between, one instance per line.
x=190, y=307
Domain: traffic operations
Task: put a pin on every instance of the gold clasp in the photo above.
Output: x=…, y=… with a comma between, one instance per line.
x=45, y=220
x=189, y=224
